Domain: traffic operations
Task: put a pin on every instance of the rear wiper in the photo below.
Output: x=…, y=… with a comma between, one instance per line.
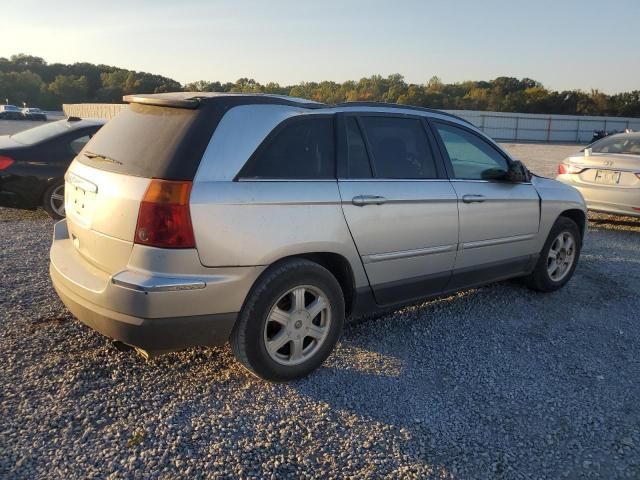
x=103, y=158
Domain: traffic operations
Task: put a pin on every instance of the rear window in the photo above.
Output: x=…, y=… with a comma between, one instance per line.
x=148, y=141
x=302, y=149
x=618, y=144
x=41, y=133
x=400, y=148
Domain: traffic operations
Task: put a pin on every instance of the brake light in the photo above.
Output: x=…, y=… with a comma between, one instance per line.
x=570, y=169
x=5, y=162
x=163, y=219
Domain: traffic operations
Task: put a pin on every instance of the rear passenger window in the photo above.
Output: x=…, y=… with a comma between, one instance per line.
x=358, y=159
x=400, y=148
x=302, y=149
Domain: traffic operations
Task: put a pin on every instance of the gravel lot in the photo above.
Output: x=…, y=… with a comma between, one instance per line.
x=496, y=382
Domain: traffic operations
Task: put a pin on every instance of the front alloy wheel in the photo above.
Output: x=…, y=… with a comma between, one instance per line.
x=561, y=256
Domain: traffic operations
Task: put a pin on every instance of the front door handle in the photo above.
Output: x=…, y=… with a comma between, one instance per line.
x=362, y=200
x=473, y=198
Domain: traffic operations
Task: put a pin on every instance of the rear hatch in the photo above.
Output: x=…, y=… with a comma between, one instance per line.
x=107, y=181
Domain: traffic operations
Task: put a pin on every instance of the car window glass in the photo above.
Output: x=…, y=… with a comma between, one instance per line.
x=358, y=159
x=78, y=144
x=38, y=134
x=471, y=157
x=624, y=145
x=399, y=147
x=303, y=149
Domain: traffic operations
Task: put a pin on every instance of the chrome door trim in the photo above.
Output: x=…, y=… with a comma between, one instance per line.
x=390, y=180
x=381, y=257
x=498, y=241
x=459, y=180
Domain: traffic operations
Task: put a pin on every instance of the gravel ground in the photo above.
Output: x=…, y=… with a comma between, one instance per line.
x=496, y=382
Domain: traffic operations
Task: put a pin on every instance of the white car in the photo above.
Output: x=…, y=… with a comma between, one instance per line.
x=607, y=173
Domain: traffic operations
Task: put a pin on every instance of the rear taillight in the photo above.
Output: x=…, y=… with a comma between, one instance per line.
x=5, y=162
x=163, y=219
x=568, y=168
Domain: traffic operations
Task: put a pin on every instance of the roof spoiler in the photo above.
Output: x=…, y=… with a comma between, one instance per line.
x=191, y=103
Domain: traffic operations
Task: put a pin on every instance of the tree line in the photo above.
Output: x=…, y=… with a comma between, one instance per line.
x=30, y=79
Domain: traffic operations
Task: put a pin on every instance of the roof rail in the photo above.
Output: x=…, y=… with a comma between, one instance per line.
x=397, y=105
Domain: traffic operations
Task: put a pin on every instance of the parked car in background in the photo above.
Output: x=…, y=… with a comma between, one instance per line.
x=607, y=173
x=33, y=163
x=10, y=112
x=33, y=114
x=290, y=217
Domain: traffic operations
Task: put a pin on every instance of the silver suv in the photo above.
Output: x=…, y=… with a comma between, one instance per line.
x=197, y=219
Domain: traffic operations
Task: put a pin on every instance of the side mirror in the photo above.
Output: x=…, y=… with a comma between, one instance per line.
x=587, y=152
x=518, y=173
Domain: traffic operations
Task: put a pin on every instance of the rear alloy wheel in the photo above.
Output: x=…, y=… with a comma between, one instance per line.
x=291, y=321
x=558, y=258
x=53, y=202
x=297, y=325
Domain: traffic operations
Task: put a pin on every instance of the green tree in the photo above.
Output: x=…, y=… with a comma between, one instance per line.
x=70, y=88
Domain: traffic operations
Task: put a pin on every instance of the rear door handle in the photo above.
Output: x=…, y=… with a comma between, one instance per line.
x=362, y=200
x=473, y=198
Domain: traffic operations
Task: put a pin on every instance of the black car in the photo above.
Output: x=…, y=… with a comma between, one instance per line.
x=10, y=112
x=34, y=114
x=33, y=163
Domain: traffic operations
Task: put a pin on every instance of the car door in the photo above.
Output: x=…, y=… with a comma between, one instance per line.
x=399, y=206
x=499, y=219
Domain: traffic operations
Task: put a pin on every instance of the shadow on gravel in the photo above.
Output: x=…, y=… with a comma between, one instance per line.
x=599, y=221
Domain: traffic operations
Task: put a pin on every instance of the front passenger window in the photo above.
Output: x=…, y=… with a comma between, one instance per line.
x=471, y=157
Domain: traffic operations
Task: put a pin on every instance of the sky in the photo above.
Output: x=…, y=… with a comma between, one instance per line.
x=564, y=44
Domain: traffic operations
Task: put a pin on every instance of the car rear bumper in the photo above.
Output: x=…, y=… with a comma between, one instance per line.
x=607, y=199
x=154, y=336
x=157, y=313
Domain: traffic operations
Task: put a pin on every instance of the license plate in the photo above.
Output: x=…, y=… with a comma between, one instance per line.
x=608, y=177
x=80, y=194
x=79, y=198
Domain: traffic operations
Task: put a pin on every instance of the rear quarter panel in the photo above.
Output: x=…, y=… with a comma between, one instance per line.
x=250, y=223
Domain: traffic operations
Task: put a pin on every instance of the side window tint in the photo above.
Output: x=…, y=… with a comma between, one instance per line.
x=400, y=148
x=301, y=150
x=471, y=157
x=79, y=143
x=358, y=159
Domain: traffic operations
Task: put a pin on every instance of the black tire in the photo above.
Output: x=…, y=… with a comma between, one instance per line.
x=47, y=200
x=540, y=279
x=248, y=336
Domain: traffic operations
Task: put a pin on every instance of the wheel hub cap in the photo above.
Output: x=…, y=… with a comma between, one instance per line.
x=561, y=256
x=297, y=325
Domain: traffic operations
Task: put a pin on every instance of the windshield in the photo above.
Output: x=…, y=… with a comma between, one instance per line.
x=38, y=134
x=617, y=144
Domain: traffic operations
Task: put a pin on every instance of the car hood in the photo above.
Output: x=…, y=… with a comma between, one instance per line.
x=611, y=161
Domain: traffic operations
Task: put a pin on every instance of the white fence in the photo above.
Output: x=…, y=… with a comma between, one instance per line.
x=498, y=125
x=543, y=128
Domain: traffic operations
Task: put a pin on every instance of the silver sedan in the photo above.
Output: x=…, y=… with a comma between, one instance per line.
x=607, y=173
